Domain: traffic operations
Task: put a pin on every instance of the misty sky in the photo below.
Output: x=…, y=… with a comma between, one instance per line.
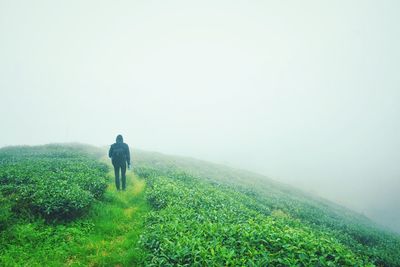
x=306, y=92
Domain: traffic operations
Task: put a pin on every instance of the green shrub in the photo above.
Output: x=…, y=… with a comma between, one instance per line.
x=5, y=211
x=189, y=192
x=54, y=182
x=203, y=224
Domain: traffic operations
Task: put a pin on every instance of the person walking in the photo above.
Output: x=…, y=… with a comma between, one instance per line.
x=120, y=158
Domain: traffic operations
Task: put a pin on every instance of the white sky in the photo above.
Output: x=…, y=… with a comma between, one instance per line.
x=306, y=92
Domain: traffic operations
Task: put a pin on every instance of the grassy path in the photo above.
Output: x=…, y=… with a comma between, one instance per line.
x=118, y=223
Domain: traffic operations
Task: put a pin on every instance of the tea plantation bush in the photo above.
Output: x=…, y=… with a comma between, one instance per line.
x=209, y=192
x=196, y=223
x=54, y=182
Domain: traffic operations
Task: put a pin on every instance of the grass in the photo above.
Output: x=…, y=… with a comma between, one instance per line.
x=118, y=224
x=183, y=211
x=106, y=236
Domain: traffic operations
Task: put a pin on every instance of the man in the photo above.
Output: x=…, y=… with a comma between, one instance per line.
x=120, y=157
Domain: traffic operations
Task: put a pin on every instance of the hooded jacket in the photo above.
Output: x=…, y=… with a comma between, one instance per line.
x=119, y=152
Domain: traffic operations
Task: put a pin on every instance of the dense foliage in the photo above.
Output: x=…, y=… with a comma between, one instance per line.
x=207, y=219
x=196, y=223
x=201, y=214
x=106, y=234
x=54, y=182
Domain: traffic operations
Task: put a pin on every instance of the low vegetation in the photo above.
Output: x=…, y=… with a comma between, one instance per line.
x=53, y=182
x=59, y=207
x=207, y=214
x=197, y=223
x=82, y=222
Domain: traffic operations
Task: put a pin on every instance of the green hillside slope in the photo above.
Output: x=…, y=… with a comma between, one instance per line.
x=59, y=207
x=212, y=214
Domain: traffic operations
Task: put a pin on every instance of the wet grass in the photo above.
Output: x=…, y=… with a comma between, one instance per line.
x=118, y=224
x=106, y=236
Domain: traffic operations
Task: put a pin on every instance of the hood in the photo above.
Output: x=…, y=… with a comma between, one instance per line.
x=119, y=139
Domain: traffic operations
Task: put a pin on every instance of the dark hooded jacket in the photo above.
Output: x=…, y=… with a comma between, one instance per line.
x=119, y=152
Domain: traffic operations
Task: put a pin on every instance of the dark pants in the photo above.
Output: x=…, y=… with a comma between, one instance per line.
x=117, y=168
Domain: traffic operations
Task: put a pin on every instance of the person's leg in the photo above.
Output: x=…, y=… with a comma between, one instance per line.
x=123, y=176
x=116, y=171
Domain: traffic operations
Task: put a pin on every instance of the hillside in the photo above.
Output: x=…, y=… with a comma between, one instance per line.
x=306, y=230
x=60, y=208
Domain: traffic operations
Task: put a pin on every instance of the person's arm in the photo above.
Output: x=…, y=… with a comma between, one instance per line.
x=128, y=156
x=110, y=152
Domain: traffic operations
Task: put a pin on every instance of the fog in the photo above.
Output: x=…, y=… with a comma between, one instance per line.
x=305, y=92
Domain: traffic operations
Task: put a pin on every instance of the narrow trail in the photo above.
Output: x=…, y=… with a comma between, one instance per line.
x=117, y=225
